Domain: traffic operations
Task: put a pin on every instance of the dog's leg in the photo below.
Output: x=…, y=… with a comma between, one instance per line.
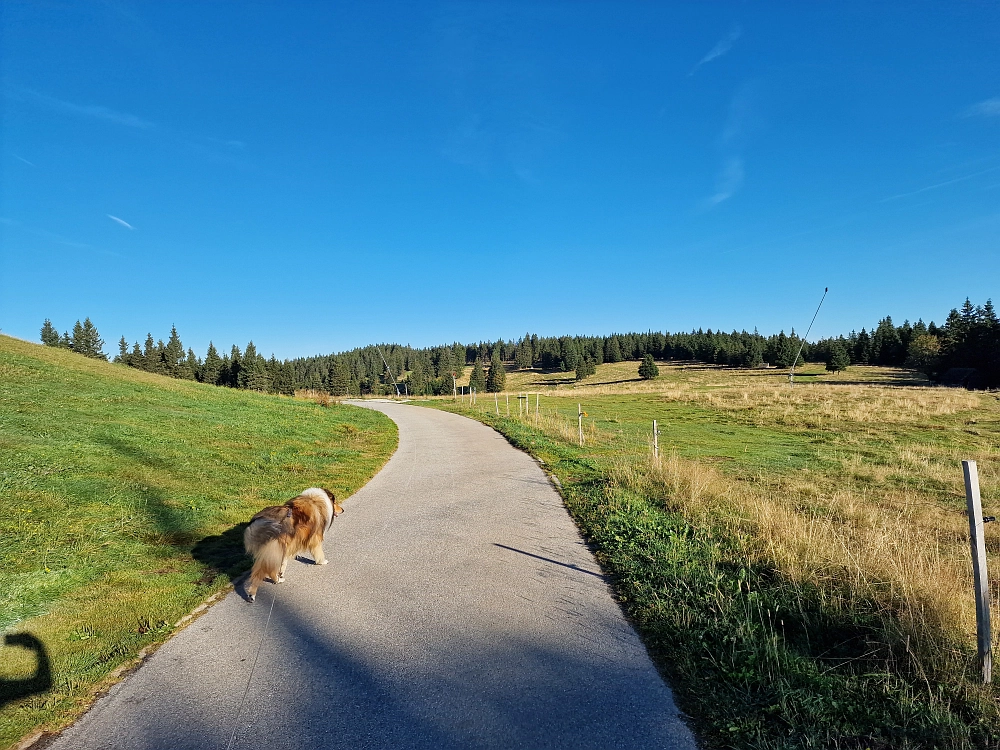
x=317, y=552
x=281, y=571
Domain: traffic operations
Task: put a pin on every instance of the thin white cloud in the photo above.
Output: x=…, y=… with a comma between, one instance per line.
x=728, y=182
x=94, y=111
x=937, y=185
x=986, y=108
x=721, y=47
x=21, y=158
x=121, y=221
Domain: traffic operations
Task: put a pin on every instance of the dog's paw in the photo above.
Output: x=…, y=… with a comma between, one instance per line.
x=281, y=579
x=252, y=597
x=324, y=562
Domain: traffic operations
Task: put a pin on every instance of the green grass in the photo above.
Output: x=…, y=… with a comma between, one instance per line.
x=797, y=562
x=122, y=496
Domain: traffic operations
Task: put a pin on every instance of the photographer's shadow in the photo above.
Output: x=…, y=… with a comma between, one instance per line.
x=41, y=681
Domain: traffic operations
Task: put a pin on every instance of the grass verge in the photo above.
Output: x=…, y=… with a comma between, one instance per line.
x=797, y=560
x=123, y=497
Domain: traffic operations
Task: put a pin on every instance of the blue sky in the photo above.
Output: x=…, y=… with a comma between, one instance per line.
x=321, y=176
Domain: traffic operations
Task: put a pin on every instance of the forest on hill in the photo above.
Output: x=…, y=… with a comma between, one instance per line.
x=968, y=340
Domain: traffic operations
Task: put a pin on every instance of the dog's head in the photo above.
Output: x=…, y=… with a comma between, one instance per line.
x=337, y=509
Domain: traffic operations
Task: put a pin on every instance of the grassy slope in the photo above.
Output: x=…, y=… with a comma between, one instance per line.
x=797, y=561
x=122, y=494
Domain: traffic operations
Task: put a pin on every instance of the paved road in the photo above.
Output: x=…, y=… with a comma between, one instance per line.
x=460, y=609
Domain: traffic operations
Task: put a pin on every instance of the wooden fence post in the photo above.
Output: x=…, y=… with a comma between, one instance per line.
x=496, y=402
x=507, y=396
x=656, y=442
x=978, y=544
x=579, y=419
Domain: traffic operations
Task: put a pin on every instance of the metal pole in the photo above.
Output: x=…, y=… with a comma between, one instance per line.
x=387, y=368
x=507, y=396
x=791, y=373
x=579, y=419
x=656, y=442
x=496, y=403
x=978, y=543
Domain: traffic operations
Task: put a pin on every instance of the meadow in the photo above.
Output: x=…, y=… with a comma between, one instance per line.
x=796, y=557
x=123, y=496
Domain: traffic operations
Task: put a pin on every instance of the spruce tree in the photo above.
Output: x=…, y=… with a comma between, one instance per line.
x=50, y=336
x=211, y=369
x=149, y=363
x=173, y=354
x=838, y=359
x=477, y=381
x=585, y=369
x=496, y=379
x=648, y=369
x=189, y=368
x=339, y=379
x=122, y=357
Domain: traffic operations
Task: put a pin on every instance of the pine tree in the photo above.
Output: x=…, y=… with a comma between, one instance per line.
x=523, y=356
x=496, y=379
x=339, y=379
x=235, y=367
x=253, y=374
x=87, y=341
x=477, y=380
x=648, y=369
x=189, y=368
x=211, y=369
x=838, y=359
x=585, y=369
x=50, y=336
x=173, y=354
x=122, y=357
x=149, y=363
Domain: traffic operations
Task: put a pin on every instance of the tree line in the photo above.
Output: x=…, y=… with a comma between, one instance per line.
x=969, y=338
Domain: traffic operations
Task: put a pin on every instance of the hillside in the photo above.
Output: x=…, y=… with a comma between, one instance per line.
x=122, y=495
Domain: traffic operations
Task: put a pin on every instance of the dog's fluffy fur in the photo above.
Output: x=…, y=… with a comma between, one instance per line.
x=276, y=534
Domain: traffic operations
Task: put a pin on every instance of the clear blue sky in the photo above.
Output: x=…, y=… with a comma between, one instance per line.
x=321, y=176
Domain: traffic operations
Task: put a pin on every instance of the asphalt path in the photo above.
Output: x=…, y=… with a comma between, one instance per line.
x=460, y=609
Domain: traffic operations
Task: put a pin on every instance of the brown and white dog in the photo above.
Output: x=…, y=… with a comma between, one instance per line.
x=276, y=534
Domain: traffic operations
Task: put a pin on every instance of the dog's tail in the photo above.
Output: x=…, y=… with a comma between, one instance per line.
x=264, y=541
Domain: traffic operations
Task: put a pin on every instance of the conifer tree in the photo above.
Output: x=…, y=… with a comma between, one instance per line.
x=838, y=359
x=50, y=336
x=122, y=351
x=149, y=354
x=340, y=379
x=87, y=341
x=585, y=369
x=235, y=367
x=648, y=369
x=173, y=354
x=211, y=368
x=477, y=380
x=189, y=369
x=496, y=379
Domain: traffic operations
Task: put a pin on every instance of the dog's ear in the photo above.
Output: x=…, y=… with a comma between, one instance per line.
x=333, y=498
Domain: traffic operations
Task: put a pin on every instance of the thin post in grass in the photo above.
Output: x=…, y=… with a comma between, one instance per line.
x=791, y=372
x=977, y=541
x=656, y=442
x=496, y=402
x=579, y=420
x=536, y=407
x=507, y=396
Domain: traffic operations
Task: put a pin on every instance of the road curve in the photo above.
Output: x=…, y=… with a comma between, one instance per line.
x=460, y=609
